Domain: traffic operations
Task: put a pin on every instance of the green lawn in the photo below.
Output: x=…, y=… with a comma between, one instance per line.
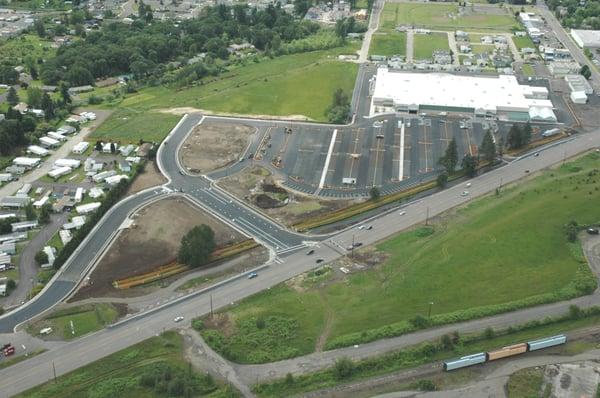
x=85, y=318
x=497, y=250
x=523, y=42
x=528, y=70
x=424, y=45
x=482, y=48
x=15, y=50
x=299, y=84
x=441, y=16
x=140, y=371
x=388, y=44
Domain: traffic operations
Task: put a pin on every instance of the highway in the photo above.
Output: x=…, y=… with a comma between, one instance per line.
x=89, y=348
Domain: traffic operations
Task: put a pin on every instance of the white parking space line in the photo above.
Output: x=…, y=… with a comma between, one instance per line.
x=327, y=159
x=401, y=165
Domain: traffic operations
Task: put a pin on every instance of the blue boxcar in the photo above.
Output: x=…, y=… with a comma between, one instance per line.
x=547, y=342
x=462, y=362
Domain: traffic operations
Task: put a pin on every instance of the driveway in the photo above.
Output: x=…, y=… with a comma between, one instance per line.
x=28, y=268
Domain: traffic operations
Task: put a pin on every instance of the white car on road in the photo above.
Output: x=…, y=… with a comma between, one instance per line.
x=178, y=319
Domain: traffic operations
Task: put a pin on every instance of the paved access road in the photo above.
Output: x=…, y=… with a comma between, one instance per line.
x=565, y=39
x=89, y=348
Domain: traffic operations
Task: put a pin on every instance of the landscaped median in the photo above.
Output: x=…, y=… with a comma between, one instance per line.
x=508, y=250
x=175, y=268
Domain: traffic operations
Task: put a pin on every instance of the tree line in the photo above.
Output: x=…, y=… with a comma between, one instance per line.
x=144, y=49
x=518, y=137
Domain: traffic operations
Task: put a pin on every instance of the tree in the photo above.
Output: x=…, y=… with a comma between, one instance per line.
x=289, y=379
x=33, y=72
x=39, y=27
x=301, y=7
x=488, y=147
x=30, y=212
x=47, y=106
x=446, y=342
x=419, y=321
x=341, y=28
x=344, y=367
x=442, y=180
x=34, y=97
x=113, y=147
x=11, y=97
x=374, y=193
x=98, y=146
x=571, y=230
x=526, y=135
x=489, y=333
x=586, y=72
x=196, y=246
x=469, y=165
x=45, y=211
x=41, y=257
x=339, y=109
x=450, y=158
x=64, y=93
x=11, y=284
x=514, y=139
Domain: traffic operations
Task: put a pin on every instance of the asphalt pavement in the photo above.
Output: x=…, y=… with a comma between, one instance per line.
x=137, y=328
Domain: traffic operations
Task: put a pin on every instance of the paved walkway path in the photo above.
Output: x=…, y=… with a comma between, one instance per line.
x=410, y=45
x=373, y=26
x=453, y=48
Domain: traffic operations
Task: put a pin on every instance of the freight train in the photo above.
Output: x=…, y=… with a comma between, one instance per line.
x=504, y=352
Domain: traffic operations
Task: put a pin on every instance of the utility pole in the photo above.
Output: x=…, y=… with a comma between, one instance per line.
x=429, y=312
x=427, y=217
x=211, y=306
x=54, y=371
x=352, y=251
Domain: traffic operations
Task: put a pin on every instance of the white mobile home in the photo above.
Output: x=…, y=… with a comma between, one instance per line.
x=79, y=195
x=102, y=176
x=56, y=136
x=38, y=150
x=24, y=225
x=81, y=147
x=26, y=162
x=5, y=177
x=87, y=208
x=72, y=163
x=114, y=180
x=59, y=172
x=41, y=202
x=49, y=142
x=24, y=190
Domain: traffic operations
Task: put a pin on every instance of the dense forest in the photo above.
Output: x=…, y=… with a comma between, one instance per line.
x=577, y=15
x=145, y=48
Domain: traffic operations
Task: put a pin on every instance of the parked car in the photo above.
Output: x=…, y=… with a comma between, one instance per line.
x=252, y=275
x=319, y=260
x=593, y=231
x=464, y=193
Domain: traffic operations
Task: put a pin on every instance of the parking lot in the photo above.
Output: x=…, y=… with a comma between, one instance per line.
x=393, y=152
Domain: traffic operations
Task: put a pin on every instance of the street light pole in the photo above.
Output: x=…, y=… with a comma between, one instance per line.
x=427, y=217
x=429, y=313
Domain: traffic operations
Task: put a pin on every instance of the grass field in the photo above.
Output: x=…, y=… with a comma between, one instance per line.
x=145, y=370
x=471, y=258
x=86, y=319
x=16, y=49
x=425, y=44
x=523, y=42
x=528, y=70
x=414, y=356
x=482, y=48
x=388, y=44
x=299, y=84
x=441, y=16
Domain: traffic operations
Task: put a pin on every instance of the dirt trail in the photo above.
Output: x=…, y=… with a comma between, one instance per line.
x=329, y=318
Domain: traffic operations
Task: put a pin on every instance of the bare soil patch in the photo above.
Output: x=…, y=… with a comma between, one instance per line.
x=152, y=240
x=151, y=177
x=211, y=146
x=256, y=186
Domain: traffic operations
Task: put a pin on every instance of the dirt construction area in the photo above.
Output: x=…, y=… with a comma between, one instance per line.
x=255, y=185
x=151, y=177
x=152, y=240
x=213, y=145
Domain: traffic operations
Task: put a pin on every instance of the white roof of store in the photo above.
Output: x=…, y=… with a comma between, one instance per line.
x=445, y=90
x=589, y=38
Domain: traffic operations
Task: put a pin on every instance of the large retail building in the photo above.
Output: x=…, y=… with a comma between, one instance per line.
x=498, y=96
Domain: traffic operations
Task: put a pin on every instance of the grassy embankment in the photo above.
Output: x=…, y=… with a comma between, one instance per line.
x=154, y=368
x=498, y=253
